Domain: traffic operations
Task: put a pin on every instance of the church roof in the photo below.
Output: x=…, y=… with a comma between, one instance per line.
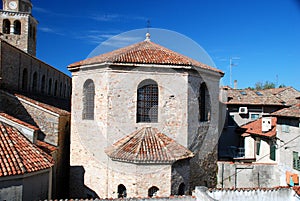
x=18, y=155
x=148, y=145
x=145, y=52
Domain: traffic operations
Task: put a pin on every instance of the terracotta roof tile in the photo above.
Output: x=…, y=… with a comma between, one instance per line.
x=18, y=155
x=287, y=94
x=293, y=111
x=251, y=97
x=255, y=128
x=148, y=145
x=145, y=52
x=43, y=105
x=46, y=147
x=18, y=121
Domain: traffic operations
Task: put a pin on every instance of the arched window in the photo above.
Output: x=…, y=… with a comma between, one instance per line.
x=34, y=82
x=6, y=26
x=50, y=87
x=181, y=189
x=204, y=103
x=88, y=100
x=122, y=193
x=147, y=101
x=17, y=27
x=55, y=88
x=60, y=89
x=43, y=84
x=25, y=79
x=152, y=192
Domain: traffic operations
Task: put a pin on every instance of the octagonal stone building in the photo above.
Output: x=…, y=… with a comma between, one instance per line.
x=144, y=123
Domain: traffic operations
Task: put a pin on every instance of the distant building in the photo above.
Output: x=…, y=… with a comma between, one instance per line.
x=264, y=156
x=145, y=122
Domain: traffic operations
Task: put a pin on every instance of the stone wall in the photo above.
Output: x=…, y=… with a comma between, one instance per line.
x=115, y=117
x=39, y=78
x=239, y=175
x=54, y=129
x=26, y=40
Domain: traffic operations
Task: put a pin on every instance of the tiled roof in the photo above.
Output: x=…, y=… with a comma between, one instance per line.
x=148, y=145
x=293, y=111
x=43, y=105
x=18, y=121
x=255, y=128
x=46, y=147
x=18, y=155
x=145, y=52
x=251, y=97
x=286, y=94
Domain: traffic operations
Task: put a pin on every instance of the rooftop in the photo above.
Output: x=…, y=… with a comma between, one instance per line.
x=293, y=111
x=148, y=145
x=145, y=52
x=18, y=155
x=252, y=97
x=255, y=128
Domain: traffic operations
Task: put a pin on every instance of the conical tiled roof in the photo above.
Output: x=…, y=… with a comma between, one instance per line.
x=148, y=145
x=145, y=52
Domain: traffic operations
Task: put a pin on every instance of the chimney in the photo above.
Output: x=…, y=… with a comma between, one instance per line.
x=266, y=124
x=235, y=84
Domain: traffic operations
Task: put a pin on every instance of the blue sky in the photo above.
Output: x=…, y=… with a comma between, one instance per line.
x=264, y=34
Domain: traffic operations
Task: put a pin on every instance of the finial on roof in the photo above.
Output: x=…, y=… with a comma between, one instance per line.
x=147, y=36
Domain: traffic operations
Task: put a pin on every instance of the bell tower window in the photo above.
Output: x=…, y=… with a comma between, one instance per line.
x=6, y=26
x=17, y=27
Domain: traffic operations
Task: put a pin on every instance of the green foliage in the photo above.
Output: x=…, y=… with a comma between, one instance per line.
x=266, y=85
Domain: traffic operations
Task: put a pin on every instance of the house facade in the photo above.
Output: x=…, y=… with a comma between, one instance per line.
x=268, y=152
x=139, y=88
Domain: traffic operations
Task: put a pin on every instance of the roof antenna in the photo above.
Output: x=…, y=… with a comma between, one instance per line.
x=148, y=33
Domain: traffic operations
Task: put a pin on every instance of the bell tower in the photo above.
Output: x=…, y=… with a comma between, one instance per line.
x=18, y=26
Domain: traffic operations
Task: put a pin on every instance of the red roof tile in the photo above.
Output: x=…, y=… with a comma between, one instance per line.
x=46, y=147
x=293, y=111
x=251, y=97
x=148, y=145
x=145, y=52
x=43, y=105
x=18, y=155
x=255, y=128
x=18, y=121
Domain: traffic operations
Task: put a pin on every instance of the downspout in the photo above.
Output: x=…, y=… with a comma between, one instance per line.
x=50, y=184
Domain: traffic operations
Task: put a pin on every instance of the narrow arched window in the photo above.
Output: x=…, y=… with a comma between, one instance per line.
x=50, y=86
x=17, y=27
x=122, y=192
x=43, y=84
x=88, y=100
x=181, y=189
x=152, y=192
x=147, y=101
x=55, y=88
x=6, y=26
x=204, y=103
x=34, y=82
x=60, y=89
x=25, y=79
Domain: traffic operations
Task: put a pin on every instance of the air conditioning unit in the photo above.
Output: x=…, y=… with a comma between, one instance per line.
x=266, y=124
x=243, y=110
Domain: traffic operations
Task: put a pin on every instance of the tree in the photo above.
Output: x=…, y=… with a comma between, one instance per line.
x=262, y=86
